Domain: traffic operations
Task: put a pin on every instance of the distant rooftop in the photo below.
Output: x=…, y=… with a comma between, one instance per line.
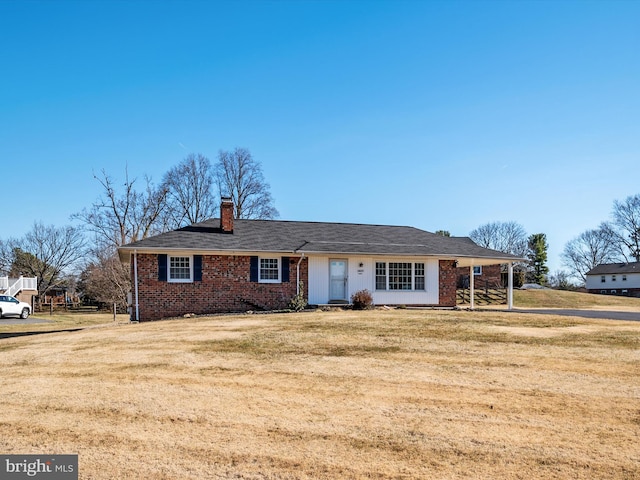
x=614, y=268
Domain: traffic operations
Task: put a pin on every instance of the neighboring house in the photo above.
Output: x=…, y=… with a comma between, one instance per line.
x=59, y=295
x=615, y=279
x=231, y=265
x=23, y=288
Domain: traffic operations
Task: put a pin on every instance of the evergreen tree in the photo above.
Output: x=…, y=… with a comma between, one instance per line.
x=538, y=247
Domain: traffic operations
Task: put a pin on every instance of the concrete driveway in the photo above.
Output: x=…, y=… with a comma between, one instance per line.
x=28, y=321
x=20, y=321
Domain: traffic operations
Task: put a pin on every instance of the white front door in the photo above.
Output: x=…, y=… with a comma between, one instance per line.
x=337, y=279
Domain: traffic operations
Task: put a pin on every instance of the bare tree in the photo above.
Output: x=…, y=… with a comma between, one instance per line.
x=626, y=224
x=589, y=249
x=507, y=237
x=118, y=218
x=190, y=191
x=5, y=256
x=106, y=279
x=47, y=252
x=561, y=280
x=240, y=177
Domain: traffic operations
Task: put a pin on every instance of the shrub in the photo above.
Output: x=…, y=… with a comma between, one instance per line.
x=362, y=300
x=298, y=302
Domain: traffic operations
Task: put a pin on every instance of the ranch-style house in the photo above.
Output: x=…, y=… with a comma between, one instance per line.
x=234, y=265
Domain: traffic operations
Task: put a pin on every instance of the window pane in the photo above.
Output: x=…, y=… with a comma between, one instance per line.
x=419, y=276
x=399, y=276
x=269, y=269
x=381, y=276
x=179, y=268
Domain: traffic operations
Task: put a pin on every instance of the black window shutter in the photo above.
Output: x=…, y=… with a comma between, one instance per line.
x=253, y=271
x=197, y=268
x=285, y=269
x=162, y=267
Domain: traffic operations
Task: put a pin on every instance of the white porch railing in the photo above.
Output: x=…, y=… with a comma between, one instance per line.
x=13, y=286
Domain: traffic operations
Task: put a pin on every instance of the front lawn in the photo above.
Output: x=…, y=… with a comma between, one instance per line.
x=342, y=394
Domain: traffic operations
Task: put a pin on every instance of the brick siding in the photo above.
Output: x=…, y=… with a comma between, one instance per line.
x=630, y=292
x=225, y=287
x=491, y=277
x=448, y=279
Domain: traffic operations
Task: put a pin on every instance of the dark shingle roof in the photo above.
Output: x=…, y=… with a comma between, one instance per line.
x=614, y=268
x=314, y=237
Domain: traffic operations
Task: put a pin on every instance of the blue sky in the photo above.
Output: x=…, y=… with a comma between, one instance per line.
x=436, y=114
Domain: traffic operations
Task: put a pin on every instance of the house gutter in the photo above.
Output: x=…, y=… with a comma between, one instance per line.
x=135, y=283
x=298, y=274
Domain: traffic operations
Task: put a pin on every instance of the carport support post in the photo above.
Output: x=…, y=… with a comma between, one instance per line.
x=471, y=288
x=510, y=287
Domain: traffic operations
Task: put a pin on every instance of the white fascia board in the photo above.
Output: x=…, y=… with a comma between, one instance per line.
x=475, y=261
x=197, y=251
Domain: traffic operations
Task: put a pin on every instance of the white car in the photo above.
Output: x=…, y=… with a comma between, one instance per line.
x=12, y=306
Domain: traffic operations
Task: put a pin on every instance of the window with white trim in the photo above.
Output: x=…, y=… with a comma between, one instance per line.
x=477, y=270
x=613, y=278
x=603, y=279
x=624, y=278
x=180, y=269
x=418, y=276
x=381, y=276
x=269, y=271
x=400, y=276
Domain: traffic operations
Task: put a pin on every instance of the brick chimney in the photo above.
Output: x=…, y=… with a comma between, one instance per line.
x=226, y=215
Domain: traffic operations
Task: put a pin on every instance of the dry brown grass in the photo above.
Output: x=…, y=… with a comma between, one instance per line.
x=59, y=321
x=377, y=394
x=549, y=298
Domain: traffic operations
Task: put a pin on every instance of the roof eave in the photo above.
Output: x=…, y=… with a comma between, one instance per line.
x=125, y=253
